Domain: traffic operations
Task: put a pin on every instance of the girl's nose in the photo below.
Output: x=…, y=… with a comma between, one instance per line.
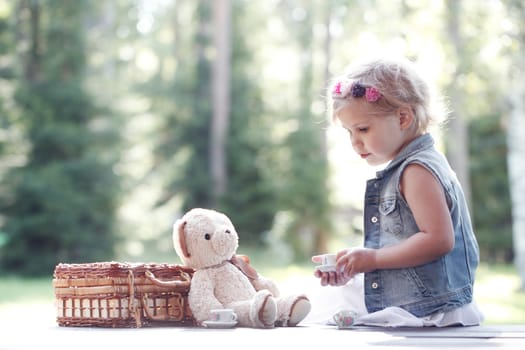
x=356, y=141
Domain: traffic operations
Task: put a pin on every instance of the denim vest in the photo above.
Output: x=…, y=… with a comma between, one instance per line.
x=437, y=286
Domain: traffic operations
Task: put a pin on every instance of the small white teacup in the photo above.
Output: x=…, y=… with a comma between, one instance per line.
x=326, y=262
x=223, y=315
x=328, y=259
x=345, y=319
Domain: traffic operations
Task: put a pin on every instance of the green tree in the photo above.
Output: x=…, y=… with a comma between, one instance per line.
x=183, y=138
x=474, y=88
x=488, y=171
x=61, y=203
x=250, y=199
x=304, y=193
x=184, y=147
x=6, y=74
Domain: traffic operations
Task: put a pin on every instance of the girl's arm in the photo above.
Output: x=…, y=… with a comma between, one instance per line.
x=426, y=198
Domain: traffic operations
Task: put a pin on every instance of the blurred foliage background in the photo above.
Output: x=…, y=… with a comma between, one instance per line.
x=118, y=116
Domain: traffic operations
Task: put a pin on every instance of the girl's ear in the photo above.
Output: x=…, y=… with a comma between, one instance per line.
x=406, y=117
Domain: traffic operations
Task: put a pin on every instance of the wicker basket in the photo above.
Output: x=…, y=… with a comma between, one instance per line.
x=113, y=294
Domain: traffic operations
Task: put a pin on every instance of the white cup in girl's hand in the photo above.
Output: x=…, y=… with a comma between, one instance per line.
x=223, y=315
x=327, y=262
x=328, y=259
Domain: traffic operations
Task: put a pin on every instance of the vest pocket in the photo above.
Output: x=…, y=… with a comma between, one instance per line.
x=387, y=206
x=390, y=217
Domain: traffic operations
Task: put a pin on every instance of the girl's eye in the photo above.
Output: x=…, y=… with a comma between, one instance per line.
x=363, y=129
x=207, y=236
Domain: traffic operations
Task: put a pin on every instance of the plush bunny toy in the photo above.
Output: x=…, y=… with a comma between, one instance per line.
x=206, y=241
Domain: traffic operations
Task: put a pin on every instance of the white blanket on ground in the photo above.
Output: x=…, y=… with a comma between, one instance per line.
x=327, y=301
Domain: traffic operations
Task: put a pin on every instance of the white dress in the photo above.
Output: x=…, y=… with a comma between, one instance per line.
x=327, y=301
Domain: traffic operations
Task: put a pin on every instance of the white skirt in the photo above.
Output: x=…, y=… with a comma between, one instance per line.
x=327, y=301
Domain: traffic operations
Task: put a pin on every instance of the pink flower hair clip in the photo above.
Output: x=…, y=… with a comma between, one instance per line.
x=342, y=90
x=372, y=94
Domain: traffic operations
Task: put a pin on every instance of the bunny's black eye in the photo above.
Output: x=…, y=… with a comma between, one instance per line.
x=207, y=236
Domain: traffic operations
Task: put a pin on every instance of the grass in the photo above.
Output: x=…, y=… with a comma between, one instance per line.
x=496, y=291
x=14, y=290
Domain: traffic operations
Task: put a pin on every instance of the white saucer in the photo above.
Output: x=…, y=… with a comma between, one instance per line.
x=219, y=324
x=325, y=268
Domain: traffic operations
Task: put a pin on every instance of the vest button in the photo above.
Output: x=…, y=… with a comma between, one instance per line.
x=373, y=219
x=375, y=285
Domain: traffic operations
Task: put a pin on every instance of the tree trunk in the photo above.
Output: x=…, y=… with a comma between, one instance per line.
x=516, y=165
x=457, y=140
x=221, y=96
x=32, y=67
x=516, y=148
x=321, y=234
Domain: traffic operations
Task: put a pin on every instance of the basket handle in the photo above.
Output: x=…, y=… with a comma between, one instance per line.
x=184, y=282
x=132, y=305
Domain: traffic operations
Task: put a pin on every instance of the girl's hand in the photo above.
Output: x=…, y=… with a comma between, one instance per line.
x=330, y=278
x=352, y=261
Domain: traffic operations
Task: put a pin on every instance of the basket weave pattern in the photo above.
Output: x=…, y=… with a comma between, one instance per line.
x=113, y=294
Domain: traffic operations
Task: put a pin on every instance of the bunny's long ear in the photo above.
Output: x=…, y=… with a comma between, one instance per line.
x=182, y=239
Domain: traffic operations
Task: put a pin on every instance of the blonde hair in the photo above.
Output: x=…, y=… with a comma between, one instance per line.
x=398, y=83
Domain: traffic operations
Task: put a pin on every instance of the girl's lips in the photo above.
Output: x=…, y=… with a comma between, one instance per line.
x=364, y=155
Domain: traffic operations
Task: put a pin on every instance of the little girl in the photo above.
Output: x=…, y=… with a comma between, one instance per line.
x=420, y=253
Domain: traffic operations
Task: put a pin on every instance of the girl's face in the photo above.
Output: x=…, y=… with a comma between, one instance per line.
x=377, y=138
